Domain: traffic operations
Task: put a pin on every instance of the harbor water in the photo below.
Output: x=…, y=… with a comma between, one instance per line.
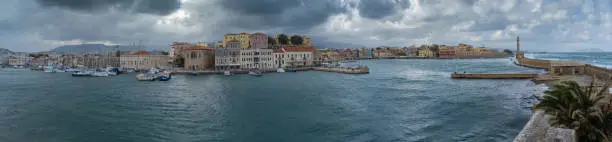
x=400, y=100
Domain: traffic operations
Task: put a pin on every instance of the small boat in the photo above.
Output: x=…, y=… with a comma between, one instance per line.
x=146, y=77
x=82, y=74
x=72, y=70
x=100, y=74
x=165, y=76
x=58, y=70
x=255, y=72
x=280, y=70
x=228, y=73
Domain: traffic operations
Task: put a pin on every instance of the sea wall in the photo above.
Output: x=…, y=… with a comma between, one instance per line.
x=600, y=73
x=534, y=63
x=495, y=76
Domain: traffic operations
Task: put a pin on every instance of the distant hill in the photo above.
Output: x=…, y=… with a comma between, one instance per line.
x=591, y=50
x=6, y=52
x=100, y=48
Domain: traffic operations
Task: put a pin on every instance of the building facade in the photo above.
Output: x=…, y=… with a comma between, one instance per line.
x=198, y=58
x=19, y=60
x=447, y=52
x=228, y=58
x=299, y=56
x=176, y=48
x=256, y=58
x=143, y=60
x=101, y=60
x=426, y=53
x=307, y=41
x=259, y=40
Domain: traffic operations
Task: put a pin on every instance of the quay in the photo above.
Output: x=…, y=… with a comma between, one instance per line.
x=493, y=76
x=359, y=70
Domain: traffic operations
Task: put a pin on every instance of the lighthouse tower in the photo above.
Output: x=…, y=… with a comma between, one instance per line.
x=519, y=54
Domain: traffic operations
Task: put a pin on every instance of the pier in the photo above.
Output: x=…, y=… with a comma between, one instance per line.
x=493, y=75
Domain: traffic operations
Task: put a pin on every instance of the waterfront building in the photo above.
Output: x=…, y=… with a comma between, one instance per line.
x=19, y=60
x=383, y=53
x=260, y=58
x=426, y=53
x=228, y=58
x=198, y=58
x=412, y=52
x=143, y=60
x=110, y=59
x=279, y=58
x=299, y=56
x=369, y=53
x=259, y=40
x=447, y=52
x=176, y=48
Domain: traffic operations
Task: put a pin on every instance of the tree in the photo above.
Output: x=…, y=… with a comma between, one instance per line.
x=179, y=61
x=271, y=41
x=283, y=39
x=296, y=40
x=582, y=109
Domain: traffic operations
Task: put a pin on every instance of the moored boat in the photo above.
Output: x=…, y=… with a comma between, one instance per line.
x=280, y=70
x=82, y=74
x=165, y=76
x=100, y=74
x=146, y=77
x=291, y=70
x=255, y=72
x=228, y=73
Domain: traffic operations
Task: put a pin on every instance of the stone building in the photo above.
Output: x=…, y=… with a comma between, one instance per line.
x=256, y=58
x=198, y=58
x=110, y=59
x=143, y=60
x=259, y=40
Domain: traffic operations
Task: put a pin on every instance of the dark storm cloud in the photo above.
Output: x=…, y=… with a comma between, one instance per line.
x=376, y=9
x=259, y=7
x=285, y=14
x=159, y=7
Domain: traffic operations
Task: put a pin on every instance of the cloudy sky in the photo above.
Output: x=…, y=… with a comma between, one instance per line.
x=543, y=25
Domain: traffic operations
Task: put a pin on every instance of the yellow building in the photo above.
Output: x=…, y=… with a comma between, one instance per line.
x=203, y=44
x=229, y=37
x=427, y=53
x=307, y=41
x=245, y=40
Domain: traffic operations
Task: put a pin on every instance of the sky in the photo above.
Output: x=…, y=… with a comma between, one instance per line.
x=543, y=25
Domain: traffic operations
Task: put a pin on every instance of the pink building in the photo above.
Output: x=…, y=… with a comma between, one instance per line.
x=259, y=41
x=177, y=47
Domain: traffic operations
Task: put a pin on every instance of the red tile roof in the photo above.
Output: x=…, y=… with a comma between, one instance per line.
x=197, y=48
x=300, y=49
x=141, y=53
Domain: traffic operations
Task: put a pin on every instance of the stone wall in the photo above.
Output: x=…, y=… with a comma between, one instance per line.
x=495, y=76
x=534, y=63
x=600, y=73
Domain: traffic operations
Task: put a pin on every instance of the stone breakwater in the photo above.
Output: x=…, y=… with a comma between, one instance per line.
x=494, y=76
x=358, y=70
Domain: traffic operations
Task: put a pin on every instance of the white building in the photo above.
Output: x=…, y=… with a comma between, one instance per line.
x=19, y=60
x=143, y=60
x=228, y=58
x=294, y=57
x=256, y=58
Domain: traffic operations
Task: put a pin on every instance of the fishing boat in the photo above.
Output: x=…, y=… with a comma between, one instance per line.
x=280, y=70
x=228, y=73
x=146, y=77
x=82, y=74
x=255, y=72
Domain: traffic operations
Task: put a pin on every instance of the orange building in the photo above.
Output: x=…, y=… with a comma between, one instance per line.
x=198, y=58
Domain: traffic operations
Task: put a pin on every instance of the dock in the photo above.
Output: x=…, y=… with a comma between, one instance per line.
x=493, y=75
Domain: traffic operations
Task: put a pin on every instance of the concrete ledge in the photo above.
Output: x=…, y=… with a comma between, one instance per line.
x=494, y=76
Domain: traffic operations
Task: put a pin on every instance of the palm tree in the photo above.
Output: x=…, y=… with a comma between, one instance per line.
x=582, y=109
